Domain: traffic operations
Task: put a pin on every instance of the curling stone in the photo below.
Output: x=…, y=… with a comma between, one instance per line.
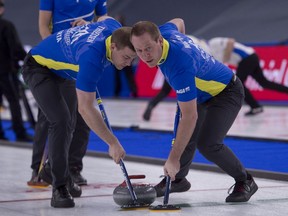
x=145, y=193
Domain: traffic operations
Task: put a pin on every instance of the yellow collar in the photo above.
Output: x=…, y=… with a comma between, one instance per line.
x=108, y=48
x=165, y=52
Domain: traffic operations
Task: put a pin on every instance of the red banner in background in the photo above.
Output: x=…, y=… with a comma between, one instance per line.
x=273, y=60
x=149, y=81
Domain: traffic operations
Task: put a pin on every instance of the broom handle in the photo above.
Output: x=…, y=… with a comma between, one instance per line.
x=123, y=168
x=168, y=178
x=167, y=190
x=128, y=182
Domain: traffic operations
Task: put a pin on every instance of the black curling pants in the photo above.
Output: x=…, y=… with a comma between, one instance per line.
x=215, y=117
x=78, y=146
x=57, y=99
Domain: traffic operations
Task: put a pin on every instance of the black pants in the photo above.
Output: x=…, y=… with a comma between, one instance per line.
x=9, y=88
x=1, y=97
x=250, y=66
x=78, y=146
x=57, y=99
x=2, y=133
x=215, y=117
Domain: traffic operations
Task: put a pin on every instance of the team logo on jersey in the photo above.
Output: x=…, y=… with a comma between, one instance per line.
x=183, y=90
x=82, y=30
x=59, y=36
x=95, y=34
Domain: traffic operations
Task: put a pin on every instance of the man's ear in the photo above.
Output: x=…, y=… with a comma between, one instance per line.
x=113, y=46
x=161, y=40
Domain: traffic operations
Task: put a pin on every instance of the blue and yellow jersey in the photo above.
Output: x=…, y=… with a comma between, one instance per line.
x=190, y=71
x=64, y=12
x=80, y=53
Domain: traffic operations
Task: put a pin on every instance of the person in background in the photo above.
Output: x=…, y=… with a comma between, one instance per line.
x=2, y=107
x=11, y=51
x=164, y=92
x=80, y=53
x=246, y=61
x=55, y=16
x=209, y=96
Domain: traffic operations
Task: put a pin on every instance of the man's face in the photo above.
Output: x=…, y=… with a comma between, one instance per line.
x=122, y=57
x=147, y=49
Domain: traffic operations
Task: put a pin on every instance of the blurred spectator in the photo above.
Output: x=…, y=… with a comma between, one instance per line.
x=165, y=90
x=2, y=107
x=246, y=61
x=11, y=51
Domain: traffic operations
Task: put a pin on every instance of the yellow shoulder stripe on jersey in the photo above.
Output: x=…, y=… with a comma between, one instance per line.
x=56, y=65
x=211, y=87
x=165, y=52
x=108, y=48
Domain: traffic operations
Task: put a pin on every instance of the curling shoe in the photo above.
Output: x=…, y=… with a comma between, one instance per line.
x=74, y=189
x=36, y=181
x=177, y=186
x=243, y=190
x=61, y=198
x=147, y=113
x=45, y=174
x=254, y=111
x=77, y=177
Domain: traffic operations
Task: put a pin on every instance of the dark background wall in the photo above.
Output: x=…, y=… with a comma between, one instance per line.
x=249, y=21
x=24, y=14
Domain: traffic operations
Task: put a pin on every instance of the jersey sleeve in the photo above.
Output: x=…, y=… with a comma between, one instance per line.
x=168, y=29
x=90, y=71
x=112, y=23
x=184, y=85
x=168, y=26
x=101, y=8
x=46, y=5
